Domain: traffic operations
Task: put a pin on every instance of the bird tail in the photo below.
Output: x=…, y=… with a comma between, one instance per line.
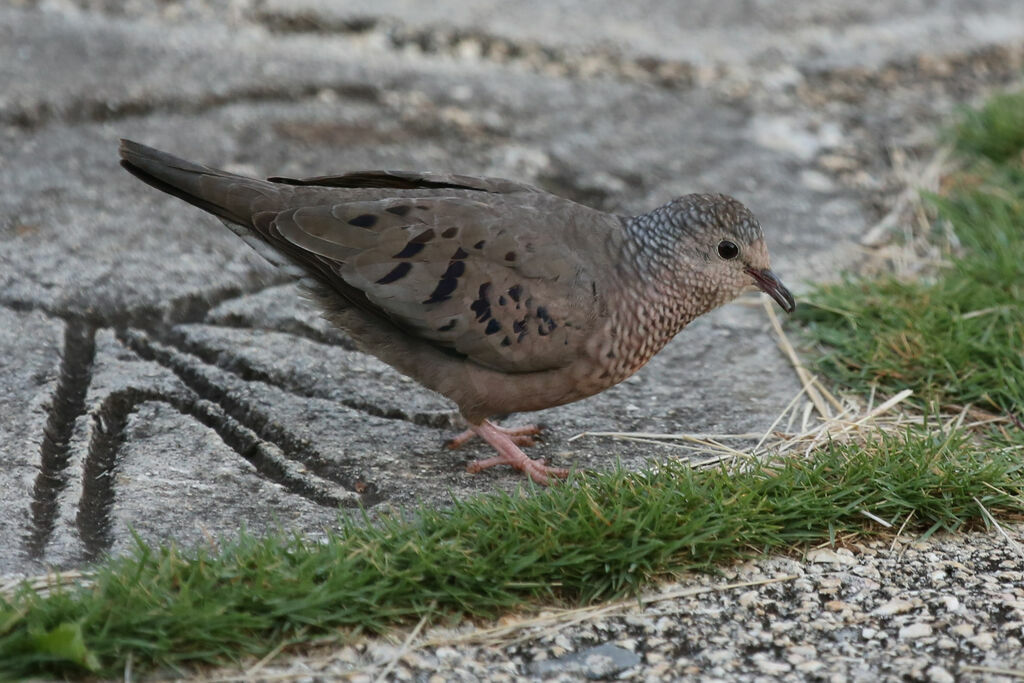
x=233, y=198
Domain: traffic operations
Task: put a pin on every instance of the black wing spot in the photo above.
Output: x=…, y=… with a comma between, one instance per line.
x=443, y=291
x=366, y=220
x=480, y=244
x=547, y=325
x=519, y=326
x=510, y=256
x=515, y=291
x=455, y=269
x=506, y=342
x=397, y=273
x=424, y=236
x=410, y=250
x=448, y=283
x=492, y=327
x=399, y=210
x=502, y=301
x=459, y=254
x=482, y=307
x=448, y=325
x=450, y=232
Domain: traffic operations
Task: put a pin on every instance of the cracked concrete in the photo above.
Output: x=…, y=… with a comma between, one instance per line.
x=155, y=375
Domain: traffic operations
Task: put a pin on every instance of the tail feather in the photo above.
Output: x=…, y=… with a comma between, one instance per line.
x=226, y=195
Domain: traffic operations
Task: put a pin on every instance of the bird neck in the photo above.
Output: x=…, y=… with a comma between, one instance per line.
x=660, y=292
x=658, y=270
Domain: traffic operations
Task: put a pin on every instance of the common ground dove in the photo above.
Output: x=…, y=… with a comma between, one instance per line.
x=494, y=293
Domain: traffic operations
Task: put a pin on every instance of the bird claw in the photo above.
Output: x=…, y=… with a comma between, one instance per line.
x=534, y=468
x=507, y=443
x=520, y=436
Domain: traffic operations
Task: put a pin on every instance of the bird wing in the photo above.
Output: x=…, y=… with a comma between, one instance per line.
x=495, y=281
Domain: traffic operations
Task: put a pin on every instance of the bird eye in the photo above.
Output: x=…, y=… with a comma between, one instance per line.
x=728, y=250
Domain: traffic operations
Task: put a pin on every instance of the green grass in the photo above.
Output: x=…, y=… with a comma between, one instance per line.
x=956, y=338
x=597, y=537
x=995, y=131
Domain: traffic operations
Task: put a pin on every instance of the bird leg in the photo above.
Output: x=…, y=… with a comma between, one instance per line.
x=521, y=436
x=503, y=441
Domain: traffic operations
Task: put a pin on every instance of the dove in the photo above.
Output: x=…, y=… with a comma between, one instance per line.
x=498, y=295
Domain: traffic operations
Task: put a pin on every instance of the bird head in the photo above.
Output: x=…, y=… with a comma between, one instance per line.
x=723, y=245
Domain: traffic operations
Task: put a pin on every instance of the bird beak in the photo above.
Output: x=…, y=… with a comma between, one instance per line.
x=769, y=283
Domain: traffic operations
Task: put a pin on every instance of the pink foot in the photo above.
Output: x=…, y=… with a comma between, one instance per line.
x=521, y=436
x=504, y=441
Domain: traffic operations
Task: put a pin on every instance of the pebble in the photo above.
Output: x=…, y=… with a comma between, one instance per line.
x=893, y=607
x=962, y=630
x=829, y=556
x=937, y=674
x=719, y=656
x=771, y=667
x=747, y=599
x=600, y=662
x=803, y=651
x=982, y=641
x=914, y=631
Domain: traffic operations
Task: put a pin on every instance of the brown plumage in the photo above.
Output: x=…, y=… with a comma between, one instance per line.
x=494, y=293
